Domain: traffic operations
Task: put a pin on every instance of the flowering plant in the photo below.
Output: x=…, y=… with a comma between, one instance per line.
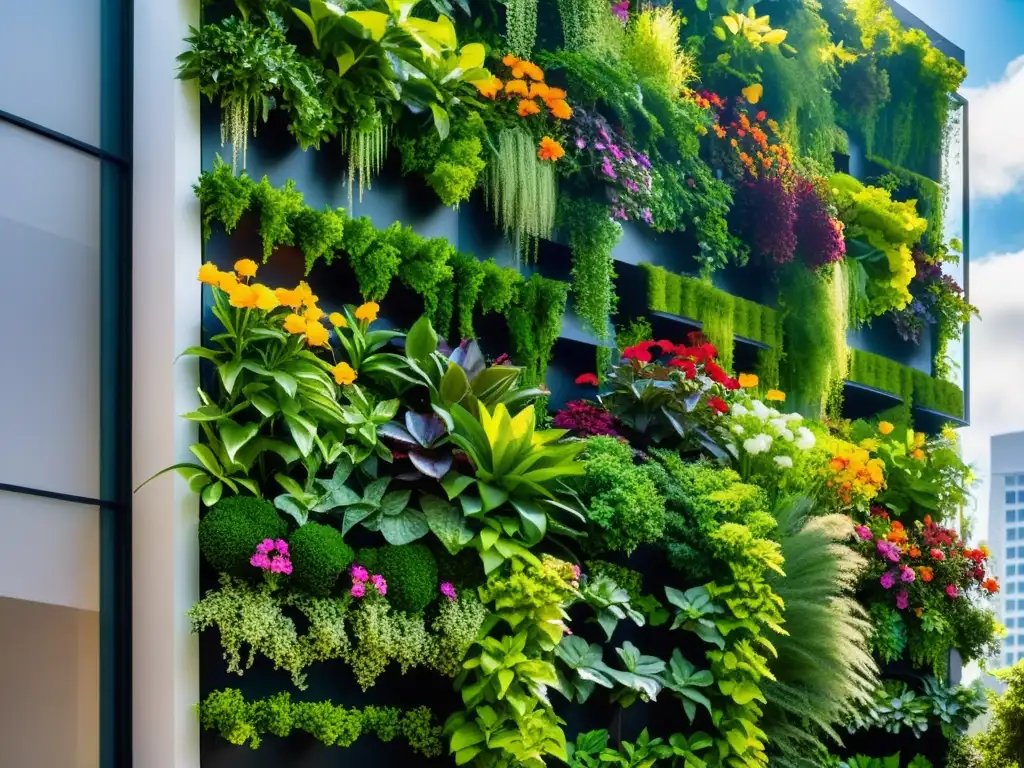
x=585, y=418
x=272, y=557
x=670, y=392
x=853, y=478
x=607, y=152
x=363, y=583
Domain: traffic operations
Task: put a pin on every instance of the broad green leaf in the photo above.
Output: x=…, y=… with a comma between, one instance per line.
x=442, y=122
x=471, y=57
x=229, y=372
x=395, y=502
x=447, y=523
x=454, y=484
x=355, y=515
x=211, y=493
x=207, y=458
x=468, y=735
x=235, y=436
x=374, y=22
x=288, y=504
x=422, y=339
x=286, y=381
x=404, y=528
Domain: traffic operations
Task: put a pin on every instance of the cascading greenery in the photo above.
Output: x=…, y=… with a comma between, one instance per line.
x=592, y=238
x=366, y=147
x=521, y=190
x=521, y=26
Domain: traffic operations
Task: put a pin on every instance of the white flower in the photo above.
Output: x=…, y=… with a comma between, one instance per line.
x=759, y=444
x=786, y=434
x=760, y=410
x=784, y=462
x=792, y=416
x=739, y=410
x=738, y=429
x=805, y=439
x=773, y=413
x=778, y=424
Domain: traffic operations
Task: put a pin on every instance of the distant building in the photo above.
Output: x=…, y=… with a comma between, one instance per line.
x=1006, y=539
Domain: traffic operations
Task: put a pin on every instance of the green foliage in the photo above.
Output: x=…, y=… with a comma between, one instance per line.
x=223, y=196
x=231, y=529
x=896, y=708
x=1002, y=744
x=278, y=208
x=592, y=238
x=630, y=580
x=451, y=167
x=521, y=26
x=822, y=670
x=411, y=574
x=239, y=721
x=319, y=556
x=934, y=394
x=814, y=321
x=520, y=189
x=319, y=234
x=912, y=385
x=623, y=505
x=888, y=638
x=534, y=324
x=654, y=51
x=929, y=196
x=589, y=27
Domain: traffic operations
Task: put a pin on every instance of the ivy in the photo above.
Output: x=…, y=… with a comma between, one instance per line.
x=535, y=322
x=592, y=237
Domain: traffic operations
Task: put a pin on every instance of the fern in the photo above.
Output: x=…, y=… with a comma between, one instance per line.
x=823, y=670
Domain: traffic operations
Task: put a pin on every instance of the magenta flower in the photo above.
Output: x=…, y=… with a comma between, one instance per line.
x=378, y=582
x=906, y=574
x=359, y=573
x=581, y=143
x=281, y=564
x=952, y=591
x=607, y=170
x=888, y=579
x=621, y=11
x=358, y=589
x=282, y=547
x=647, y=216
x=448, y=590
x=889, y=550
x=631, y=185
x=616, y=152
x=902, y=600
x=644, y=161
x=864, y=532
x=272, y=558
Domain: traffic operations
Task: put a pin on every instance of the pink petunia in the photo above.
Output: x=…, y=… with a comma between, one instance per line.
x=448, y=590
x=358, y=589
x=902, y=600
x=379, y=584
x=952, y=591
x=888, y=579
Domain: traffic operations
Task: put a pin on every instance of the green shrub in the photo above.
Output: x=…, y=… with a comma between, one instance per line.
x=623, y=503
x=410, y=572
x=230, y=531
x=319, y=555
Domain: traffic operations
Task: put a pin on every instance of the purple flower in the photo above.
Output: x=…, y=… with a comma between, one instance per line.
x=260, y=560
x=616, y=152
x=952, y=591
x=864, y=532
x=646, y=216
x=448, y=590
x=359, y=573
x=581, y=143
x=378, y=582
x=621, y=11
x=906, y=574
x=889, y=550
x=281, y=564
x=902, y=600
x=265, y=547
x=281, y=546
x=599, y=145
x=603, y=134
x=888, y=579
x=631, y=185
x=607, y=170
x=619, y=213
x=644, y=161
x=358, y=589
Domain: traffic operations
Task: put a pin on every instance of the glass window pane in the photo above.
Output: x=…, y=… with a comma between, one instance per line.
x=1011, y=515
x=50, y=269
x=1010, y=497
x=1011, y=479
x=1011, y=570
x=49, y=685
x=51, y=54
x=54, y=557
x=1011, y=589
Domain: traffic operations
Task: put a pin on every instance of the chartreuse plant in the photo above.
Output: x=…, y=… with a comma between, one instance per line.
x=519, y=472
x=508, y=719
x=591, y=750
x=1002, y=743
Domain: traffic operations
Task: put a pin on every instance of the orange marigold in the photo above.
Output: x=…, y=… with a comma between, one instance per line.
x=560, y=108
x=489, y=88
x=527, y=108
x=720, y=132
x=556, y=93
x=550, y=149
x=925, y=573
x=517, y=88
x=990, y=585
x=510, y=60
x=539, y=91
x=532, y=71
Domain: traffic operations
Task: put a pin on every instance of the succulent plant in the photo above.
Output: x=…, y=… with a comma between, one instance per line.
x=424, y=437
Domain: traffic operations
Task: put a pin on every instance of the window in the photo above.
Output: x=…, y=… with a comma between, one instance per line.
x=1011, y=497
x=1010, y=605
x=1011, y=588
x=1009, y=659
x=1009, y=623
x=1020, y=479
x=1020, y=640
x=1011, y=515
x=1011, y=570
x=1011, y=534
x=1010, y=553
x=1010, y=480
x=1011, y=640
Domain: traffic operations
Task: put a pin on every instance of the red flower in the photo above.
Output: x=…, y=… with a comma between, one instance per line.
x=979, y=573
x=731, y=384
x=637, y=352
x=587, y=378
x=937, y=554
x=990, y=585
x=714, y=370
x=709, y=350
x=688, y=366
x=760, y=116
x=718, y=405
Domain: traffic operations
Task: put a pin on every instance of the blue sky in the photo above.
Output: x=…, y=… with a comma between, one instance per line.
x=991, y=32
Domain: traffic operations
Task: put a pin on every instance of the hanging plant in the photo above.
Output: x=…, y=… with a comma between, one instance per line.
x=521, y=26
x=592, y=237
x=366, y=145
x=243, y=65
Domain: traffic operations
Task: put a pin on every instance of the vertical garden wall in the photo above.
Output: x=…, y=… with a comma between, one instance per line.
x=566, y=398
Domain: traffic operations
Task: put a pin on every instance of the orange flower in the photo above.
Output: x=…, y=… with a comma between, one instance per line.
x=246, y=267
x=917, y=454
x=338, y=320
x=560, y=108
x=343, y=373
x=265, y=298
x=886, y=428
x=720, y=132
x=550, y=150
x=745, y=122
x=532, y=70
x=226, y=281
x=748, y=380
x=926, y=573
x=918, y=612
x=990, y=585
x=510, y=60
x=915, y=552
x=734, y=143
x=775, y=396
x=489, y=88
x=313, y=314
x=838, y=464
x=527, y=108
x=317, y=335
x=209, y=274
x=556, y=93
x=518, y=70
x=288, y=298
x=295, y=324
x=242, y=296
x=539, y=91
x=517, y=88
x=304, y=294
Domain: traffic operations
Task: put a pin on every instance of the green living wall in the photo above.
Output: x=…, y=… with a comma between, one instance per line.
x=528, y=423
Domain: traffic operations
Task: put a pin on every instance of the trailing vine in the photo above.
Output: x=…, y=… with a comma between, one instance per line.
x=592, y=237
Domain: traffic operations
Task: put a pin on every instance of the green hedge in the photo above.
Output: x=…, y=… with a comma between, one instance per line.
x=914, y=386
x=938, y=395
x=722, y=315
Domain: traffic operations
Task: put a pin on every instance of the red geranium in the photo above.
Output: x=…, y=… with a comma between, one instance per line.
x=587, y=378
x=687, y=366
x=731, y=384
x=718, y=405
x=637, y=352
x=714, y=370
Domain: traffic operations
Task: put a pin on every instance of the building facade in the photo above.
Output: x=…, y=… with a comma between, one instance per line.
x=1006, y=537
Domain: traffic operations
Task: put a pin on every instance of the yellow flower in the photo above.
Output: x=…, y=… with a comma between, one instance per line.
x=775, y=396
x=919, y=439
x=295, y=324
x=488, y=88
x=748, y=380
x=949, y=434
x=227, y=281
x=338, y=320
x=242, y=296
x=317, y=335
x=266, y=299
x=559, y=108
x=303, y=293
x=313, y=313
x=246, y=267
x=343, y=373
x=539, y=90
x=510, y=60
x=869, y=444
x=368, y=311
x=288, y=298
x=209, y=274
x=753, y=93
x=550, y=150
x=917, y=454
x=885, y=428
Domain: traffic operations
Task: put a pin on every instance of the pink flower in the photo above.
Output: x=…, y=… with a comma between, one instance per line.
x=575, y=572
x=448, y=590
x=902, y=600
x=937, y=554
x=621, y=11
x=281, y=564
x=359, y=573
x=260, y=560
x=358, y=589
x=281, y=546
x=889, y=551
x=906, y=574
x=265, y=547
x=888, y=579
x=864, y=532
x=378, y=581
x=952, y=591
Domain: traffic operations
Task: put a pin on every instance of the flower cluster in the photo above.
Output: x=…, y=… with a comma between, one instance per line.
x=525, y=87
x=762, y=439
x=853, y=475
x=922, y=565
x=361, y=577
x=448, y=590
x=755, y=146
x=272, y=555
x=585, y=418
x=626, y=171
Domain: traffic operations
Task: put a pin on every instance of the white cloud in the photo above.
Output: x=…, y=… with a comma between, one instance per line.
x=996, y=365
x=997, y=153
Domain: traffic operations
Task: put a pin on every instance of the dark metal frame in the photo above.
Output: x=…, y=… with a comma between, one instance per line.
x=114, y=504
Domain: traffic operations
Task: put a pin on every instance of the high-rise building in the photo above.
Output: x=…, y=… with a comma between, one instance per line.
x=1006, y=538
